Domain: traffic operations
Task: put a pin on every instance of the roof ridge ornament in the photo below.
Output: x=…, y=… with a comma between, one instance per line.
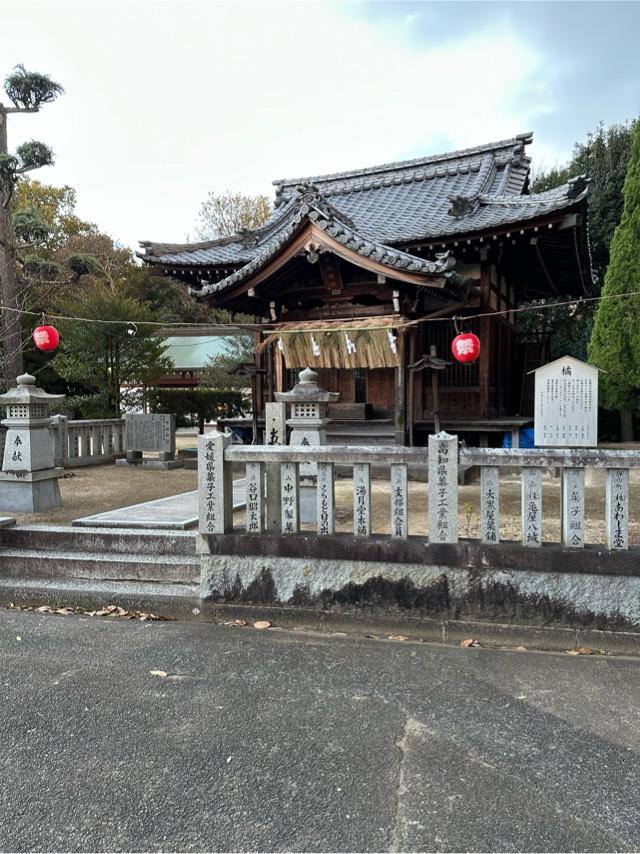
x=577, y=186
x=462, y=205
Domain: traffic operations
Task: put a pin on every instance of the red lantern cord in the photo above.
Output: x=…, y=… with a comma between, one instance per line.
x=46, y=338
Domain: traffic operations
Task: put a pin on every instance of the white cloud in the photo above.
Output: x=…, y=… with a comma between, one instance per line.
x=168, y=100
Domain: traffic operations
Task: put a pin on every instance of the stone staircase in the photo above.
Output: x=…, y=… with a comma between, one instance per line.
x=97, y=566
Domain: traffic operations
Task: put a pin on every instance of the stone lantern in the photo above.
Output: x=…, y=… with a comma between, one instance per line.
x=308, y=419
x=29, y=477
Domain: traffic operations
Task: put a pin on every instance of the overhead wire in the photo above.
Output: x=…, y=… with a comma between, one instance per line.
x=206, y=327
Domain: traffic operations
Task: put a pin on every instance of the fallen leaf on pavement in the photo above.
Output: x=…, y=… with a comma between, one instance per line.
x=161, y=673
x=262, y=624
x=580, y=650
x=470, y=642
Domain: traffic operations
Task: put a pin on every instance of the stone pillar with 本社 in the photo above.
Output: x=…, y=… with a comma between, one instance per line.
x=307, y=402
x=29, y=476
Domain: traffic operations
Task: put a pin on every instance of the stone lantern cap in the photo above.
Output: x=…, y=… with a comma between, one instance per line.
x=27, y=392
x=307, y=390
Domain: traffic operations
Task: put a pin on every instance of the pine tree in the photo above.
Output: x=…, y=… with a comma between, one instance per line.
x=27, y=91
x=615, y=341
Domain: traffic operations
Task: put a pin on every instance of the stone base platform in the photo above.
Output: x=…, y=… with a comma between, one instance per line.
x=177, y=512
x=30, y=492
x=164, y=465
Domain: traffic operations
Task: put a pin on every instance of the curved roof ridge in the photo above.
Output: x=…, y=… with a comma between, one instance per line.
x=247, y=237
x=573, y=190
x=313, y=207
x=519, y=139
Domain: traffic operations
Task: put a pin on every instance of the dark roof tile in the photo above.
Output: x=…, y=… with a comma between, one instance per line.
x=428, y=198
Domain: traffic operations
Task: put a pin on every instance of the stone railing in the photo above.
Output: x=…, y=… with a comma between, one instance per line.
x=573, y=463
x=87, y=442
x=273, y=488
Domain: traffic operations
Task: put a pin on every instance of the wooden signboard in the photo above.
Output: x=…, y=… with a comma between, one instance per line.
x=566, y=404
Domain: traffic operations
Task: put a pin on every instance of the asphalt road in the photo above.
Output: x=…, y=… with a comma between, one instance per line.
x=282, y=741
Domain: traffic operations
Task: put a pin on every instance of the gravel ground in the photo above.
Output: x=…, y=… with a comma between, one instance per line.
x=94, y=489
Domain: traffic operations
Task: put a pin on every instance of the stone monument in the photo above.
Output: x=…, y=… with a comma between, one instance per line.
x=29, y=477
x=307, y=403
x=154, y=433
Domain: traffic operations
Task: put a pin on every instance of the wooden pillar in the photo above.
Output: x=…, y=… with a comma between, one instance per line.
x=400, y=392
x=485, y=341
x=411, y=386
x=280, y=369
x=256, y=392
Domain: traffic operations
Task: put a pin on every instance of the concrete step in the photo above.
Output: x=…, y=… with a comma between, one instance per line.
x=180, y=601
x=56, y=563
x=99, y=540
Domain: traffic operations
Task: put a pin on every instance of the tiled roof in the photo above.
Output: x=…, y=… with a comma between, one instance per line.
x=308, y=205
x=428, y=198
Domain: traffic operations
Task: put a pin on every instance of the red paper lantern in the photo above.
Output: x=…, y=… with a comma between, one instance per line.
x=46, y=337
x=466, y=347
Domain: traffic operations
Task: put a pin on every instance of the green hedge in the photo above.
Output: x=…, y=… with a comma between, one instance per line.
x=198, y=405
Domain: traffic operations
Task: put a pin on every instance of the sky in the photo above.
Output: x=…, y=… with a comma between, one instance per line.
x=168, y=100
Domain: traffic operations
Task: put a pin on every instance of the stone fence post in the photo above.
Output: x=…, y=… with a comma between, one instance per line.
x=215, y=484
x=275, y=434
x=443, y=488
x=60, y=436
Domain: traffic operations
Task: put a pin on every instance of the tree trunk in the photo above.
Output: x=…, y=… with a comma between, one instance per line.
x=626, y=425
x=11, y=325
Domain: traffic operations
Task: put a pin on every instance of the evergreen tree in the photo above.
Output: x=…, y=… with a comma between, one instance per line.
x=27, y=91
x=603, y=158
x=110, y=359
x=615, y=342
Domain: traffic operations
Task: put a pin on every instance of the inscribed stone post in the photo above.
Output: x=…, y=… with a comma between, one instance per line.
x=290, y=492
x=325, y=496
x=531, y=506
x=362, y=499
x=215, y=484
x=490, y=504
x=573, y=507
x=399, y=501
x=275, y=434
x=617, y=509
x=60, y=433
x=443, y=488
x=254, y=498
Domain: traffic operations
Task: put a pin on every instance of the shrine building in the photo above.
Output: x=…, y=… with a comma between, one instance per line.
x=365, y=276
